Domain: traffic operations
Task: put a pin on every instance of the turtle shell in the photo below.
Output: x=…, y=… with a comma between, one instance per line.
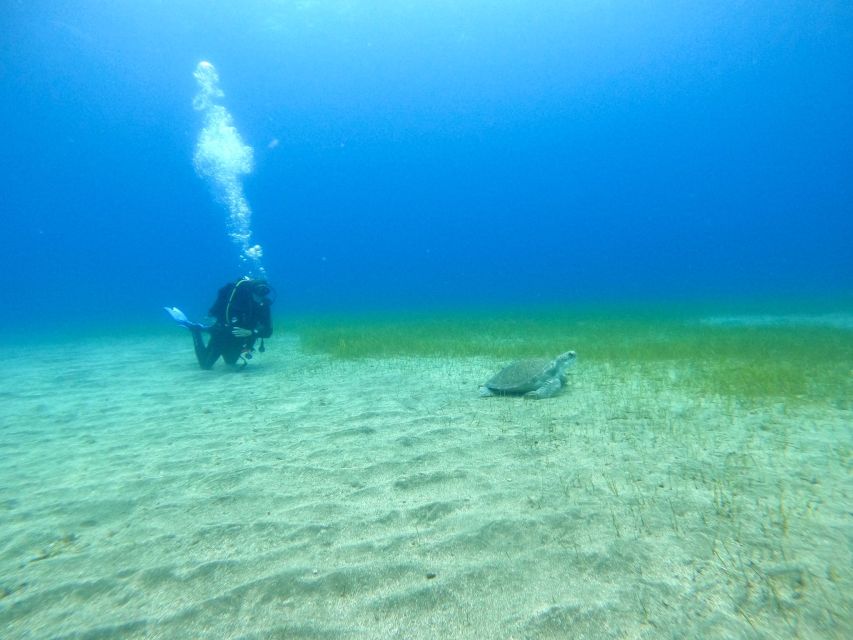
x=522, y=376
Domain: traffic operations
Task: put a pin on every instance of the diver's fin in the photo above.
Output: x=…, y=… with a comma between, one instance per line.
x=177, y=315
x=181, y=318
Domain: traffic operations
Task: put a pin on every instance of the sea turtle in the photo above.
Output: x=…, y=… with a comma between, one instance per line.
x=534, y=378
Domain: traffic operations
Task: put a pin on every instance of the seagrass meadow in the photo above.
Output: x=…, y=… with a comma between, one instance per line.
x=748, y=357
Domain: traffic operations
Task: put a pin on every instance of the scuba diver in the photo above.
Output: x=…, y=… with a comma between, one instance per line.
x=242, y=314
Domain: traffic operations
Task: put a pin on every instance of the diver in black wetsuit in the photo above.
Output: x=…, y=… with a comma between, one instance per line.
x=242, y=313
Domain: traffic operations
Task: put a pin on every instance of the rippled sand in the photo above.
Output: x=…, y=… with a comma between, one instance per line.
x=307, y=498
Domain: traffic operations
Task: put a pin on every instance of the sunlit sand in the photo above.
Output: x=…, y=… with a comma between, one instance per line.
x=308, y=497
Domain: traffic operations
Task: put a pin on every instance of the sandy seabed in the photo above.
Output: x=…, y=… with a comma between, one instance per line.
x=303, y=497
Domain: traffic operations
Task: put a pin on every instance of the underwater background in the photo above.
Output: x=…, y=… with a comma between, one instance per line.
x=428, y=155
x=434, y=189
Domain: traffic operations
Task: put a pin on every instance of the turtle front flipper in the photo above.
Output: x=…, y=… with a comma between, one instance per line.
x=550, y=388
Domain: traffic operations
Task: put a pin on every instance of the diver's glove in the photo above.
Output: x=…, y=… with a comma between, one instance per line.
x=240, y=332
x=181, y=318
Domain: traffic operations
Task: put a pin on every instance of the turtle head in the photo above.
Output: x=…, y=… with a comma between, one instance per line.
x=565, y=361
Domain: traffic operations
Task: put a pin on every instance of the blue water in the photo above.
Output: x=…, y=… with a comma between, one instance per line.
x=427, y=153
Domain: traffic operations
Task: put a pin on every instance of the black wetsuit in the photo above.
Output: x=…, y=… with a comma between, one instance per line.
x=235, y=306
